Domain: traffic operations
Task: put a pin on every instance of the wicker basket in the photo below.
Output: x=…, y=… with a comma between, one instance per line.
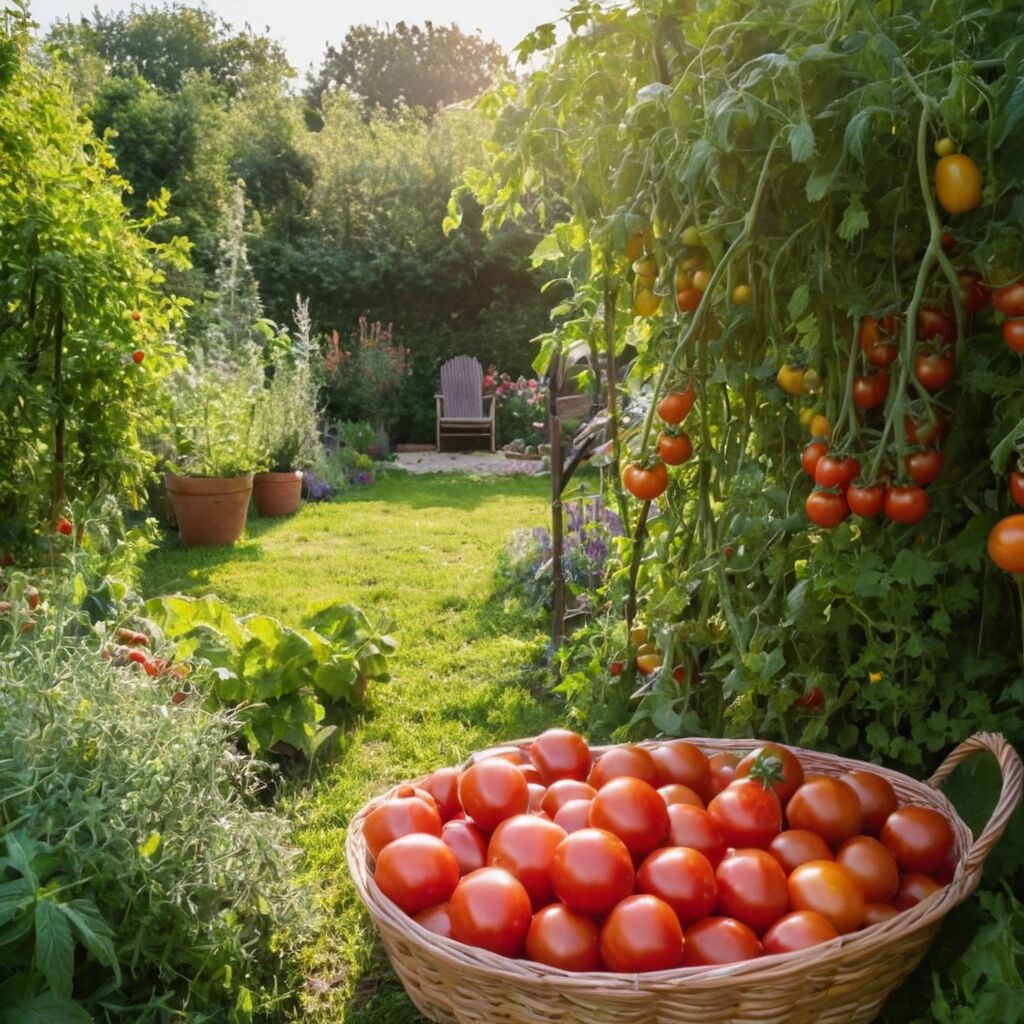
x=843, y=981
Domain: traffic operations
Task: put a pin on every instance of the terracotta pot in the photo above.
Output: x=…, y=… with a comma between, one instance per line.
x=210, y=510
x=277, y=494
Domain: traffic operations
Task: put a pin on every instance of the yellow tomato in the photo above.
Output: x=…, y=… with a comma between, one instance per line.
x=820, y=426
x=742, y=294
x=958, y=183
x=638, y=635
x=646, y=270
x=701, y=280
x=945, y=146
x=691, y=236
x=646, y=303
x=635, y=247
x=791, y=380
x=806, y=415
x=648, y=663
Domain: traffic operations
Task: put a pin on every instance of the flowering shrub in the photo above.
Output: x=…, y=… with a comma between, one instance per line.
x=520, y=407
x=590, y=530
x=363, y=381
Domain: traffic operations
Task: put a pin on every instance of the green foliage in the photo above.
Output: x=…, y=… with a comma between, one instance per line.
x=140, y=877
x=82, y=289
x=289, y=685
x=408, y=67
x=288, y=423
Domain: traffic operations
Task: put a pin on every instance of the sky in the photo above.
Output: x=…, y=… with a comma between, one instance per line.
x=304, y=27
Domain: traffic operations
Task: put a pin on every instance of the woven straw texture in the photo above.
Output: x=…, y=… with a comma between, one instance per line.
x=840, y=982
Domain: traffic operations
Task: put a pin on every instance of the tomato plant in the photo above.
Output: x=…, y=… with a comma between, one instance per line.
x=1009, y=299
x=1017, y=487
x=924, y=466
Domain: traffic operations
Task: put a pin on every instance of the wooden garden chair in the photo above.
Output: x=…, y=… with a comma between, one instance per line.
x=460, y=402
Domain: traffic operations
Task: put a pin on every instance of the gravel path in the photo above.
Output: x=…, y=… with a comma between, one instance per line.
x=481, y=463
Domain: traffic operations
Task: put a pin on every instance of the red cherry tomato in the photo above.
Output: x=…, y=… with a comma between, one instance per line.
x=629, y=760
x=559, y=793
x=1006, y=543
x=560, y=754
x=396, y=817
x=752, y=888
x=416, y=871
x=1013, y=334
x=443, y=786
x=688, y=299
x=914, y=887
x=645, y=483
x=876, y=797
x=865, y=501
x=642, y=933
x=722, y=769
x=632, y=810
x=834, y=472
x=564, y=938
x=919, y=838
x=719, y=940
x=828, y=889
x=525, y=847
x=1009, y=299
x=813, y=453
x=873, y=867
x=869, y=392
x=924, y=466
x=934, y=370
x=467, y=842
x=682, y=762
x=675, y=793
x=789, y=765
x=675, y=449
x=436, y=919
x=906, y=504
x=826, y=806
x=799, y=930
x=798, y=846
x=974, y=295
x=491, y=791
x=491, y=909
x=1017, y=487
x=691, y=827
x=876, y=913
x=683, y=878
x=591, y=871
x=934, y=325
x=826, y=509
x=573, y=815
x=676, y=405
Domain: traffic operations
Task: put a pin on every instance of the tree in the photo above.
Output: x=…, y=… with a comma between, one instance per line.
x=429, y=67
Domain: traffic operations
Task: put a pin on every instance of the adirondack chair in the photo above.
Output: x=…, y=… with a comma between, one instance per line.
x=460, y=402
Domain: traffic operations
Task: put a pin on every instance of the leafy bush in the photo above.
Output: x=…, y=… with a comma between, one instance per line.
x=288, y=424
x=289, y=686
x=143, y=880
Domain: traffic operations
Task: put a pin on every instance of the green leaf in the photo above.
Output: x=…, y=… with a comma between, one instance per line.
x=45, y=1008
x=54, y=957
x=14, y=897
x=801, y=143
x=1013, y=112
x=798, y=303
x=93, y=932
x=855, y=220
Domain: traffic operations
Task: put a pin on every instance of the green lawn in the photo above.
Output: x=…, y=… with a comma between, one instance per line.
x=423, y=550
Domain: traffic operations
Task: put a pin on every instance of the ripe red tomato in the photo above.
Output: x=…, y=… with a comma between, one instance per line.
x=876, y=797
x=491, y=791
x=934, y=325
x=747, y=814
x=64, y=526
x=694, y=828
x=564, y=938
x=634, y=811
x=560, y=754
x=682, y=762
x=676, y=405
x=436, y=919
x=883, y=356
x=914, y=887
x=467, y=842
x=491, y=909
x=1017, y=487
x=826, y=806
x=789, y=765
x=752, y=888
x=924, y=466
x=1006, y=543
x=397, y=817
x=688, y=299
x=811, y=700
x=719, y=940
x=1013, y=334
x=629, y=760
x=873, y=867
x=826, y=509
x=722, y=767
x=798, y=846
x=559, y=793
x=443, y=786
x=933, y=369
x=919, y=838
x=906, y=504
x=645, y=484
x=799, y=930
x=525, y=847
x=828, y=889
x=879, y=353
x=642, y=933
x=812, y=454
x=591, y=871
x=1009, y=299
x=573, y=815
x=676, y=793
x=683, y=878
x=416, y=871
x=876, y=913
x=865, y=501
x=831, y=472
x=675, y=450
x=869, y=392
x=974, y=294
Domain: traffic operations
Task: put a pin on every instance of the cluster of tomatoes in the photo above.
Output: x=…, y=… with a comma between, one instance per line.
x=131, y=650
x=648, y=859
x=648, y=481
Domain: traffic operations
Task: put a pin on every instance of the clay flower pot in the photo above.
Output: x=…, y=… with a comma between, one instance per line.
x=277, y=494
x=210, y=510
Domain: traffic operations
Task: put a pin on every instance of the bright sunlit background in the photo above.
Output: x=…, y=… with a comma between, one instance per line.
x=305, y=27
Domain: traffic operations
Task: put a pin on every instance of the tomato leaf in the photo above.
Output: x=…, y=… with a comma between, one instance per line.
x=801, y=143
x=855, y=220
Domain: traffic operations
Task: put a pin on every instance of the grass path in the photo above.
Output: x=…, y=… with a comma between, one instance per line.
x=423, y=550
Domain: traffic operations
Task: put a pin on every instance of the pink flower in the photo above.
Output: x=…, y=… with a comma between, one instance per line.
x=532, y=384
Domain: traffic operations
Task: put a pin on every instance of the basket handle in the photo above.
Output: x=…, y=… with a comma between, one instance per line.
x=1013, y=776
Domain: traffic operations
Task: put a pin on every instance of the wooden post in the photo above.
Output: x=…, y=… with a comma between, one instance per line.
x=558, y=576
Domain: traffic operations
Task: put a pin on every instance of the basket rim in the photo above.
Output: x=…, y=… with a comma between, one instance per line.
x=874, y=939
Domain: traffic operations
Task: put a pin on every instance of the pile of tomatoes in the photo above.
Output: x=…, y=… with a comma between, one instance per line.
x=648, y=859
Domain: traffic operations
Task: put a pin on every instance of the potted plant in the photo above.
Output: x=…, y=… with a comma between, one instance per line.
x=209, y=480
x=287, y=428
